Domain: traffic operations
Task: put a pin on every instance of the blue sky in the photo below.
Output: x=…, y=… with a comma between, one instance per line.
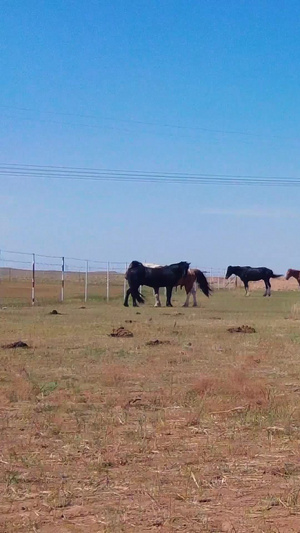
x=166, y=86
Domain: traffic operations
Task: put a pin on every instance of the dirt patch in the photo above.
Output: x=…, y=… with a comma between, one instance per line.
x=242, y=329
x=156, y=342
x=173, y=314
x=121, y=332
x=17, y=344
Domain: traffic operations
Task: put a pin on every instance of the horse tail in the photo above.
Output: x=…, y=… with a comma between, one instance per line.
x=138, y=296
x=202, y=282
x=276, y=275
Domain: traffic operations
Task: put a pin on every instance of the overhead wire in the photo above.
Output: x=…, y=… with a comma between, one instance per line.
x=133, y=122
x=48, y=172
x=137, y=122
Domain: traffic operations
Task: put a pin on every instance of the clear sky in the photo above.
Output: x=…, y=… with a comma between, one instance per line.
x=207, y=86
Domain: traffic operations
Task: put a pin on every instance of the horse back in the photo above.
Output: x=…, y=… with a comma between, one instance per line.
x=256, y=273
x=159, y=276
x=164, y=276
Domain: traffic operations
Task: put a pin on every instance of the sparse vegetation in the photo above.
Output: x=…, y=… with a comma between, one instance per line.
x=111, y=434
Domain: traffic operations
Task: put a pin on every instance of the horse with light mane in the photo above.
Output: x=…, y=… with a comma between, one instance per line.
x=193, y=277
x=291, y=273
x=167, y=276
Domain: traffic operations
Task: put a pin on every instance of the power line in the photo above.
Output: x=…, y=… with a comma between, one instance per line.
x=132, y=122
x=47, y=172
x=127, y=130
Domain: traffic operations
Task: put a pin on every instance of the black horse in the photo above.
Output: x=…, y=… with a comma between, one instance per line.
x=247, y=273
x=166, y=276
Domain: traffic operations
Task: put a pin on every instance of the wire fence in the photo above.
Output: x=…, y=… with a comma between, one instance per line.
x=35, y=278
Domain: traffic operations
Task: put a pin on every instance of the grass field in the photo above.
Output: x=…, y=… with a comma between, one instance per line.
x=16, y=285
x=105, y=434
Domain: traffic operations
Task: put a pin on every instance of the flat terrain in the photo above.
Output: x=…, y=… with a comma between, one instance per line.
x=198, y=433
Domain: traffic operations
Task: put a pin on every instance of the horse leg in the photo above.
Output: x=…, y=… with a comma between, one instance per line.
x=186, y=303
x=157, y=300
x=193, y=291
x=128, y=292
x=169, y=295
x=188, y=294
x=246, y=284
x=134, y=302
x=266, y=293
x=269, y=288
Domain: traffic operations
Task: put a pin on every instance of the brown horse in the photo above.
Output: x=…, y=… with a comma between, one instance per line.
x=291, y=273
x=193, y=277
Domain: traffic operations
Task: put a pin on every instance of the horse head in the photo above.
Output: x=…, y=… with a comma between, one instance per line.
x=288, y=274
x=229, y=272
x=184, y=266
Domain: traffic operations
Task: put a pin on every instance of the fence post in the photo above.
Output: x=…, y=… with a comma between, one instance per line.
x=86, y=281
x=33, y=281
x=0, y=277
x=107, y=282
x=62, y=279
x=125, y=282
x=224, y=279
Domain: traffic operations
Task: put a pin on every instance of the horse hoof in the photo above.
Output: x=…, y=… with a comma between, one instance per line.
x=185, y=305
x=126, y=305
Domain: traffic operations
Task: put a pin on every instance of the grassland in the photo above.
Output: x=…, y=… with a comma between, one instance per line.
x=198, y=434
x=16, y=284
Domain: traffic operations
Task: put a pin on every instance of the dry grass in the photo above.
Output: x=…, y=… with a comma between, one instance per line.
x=105, y=434
x=15, y=286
